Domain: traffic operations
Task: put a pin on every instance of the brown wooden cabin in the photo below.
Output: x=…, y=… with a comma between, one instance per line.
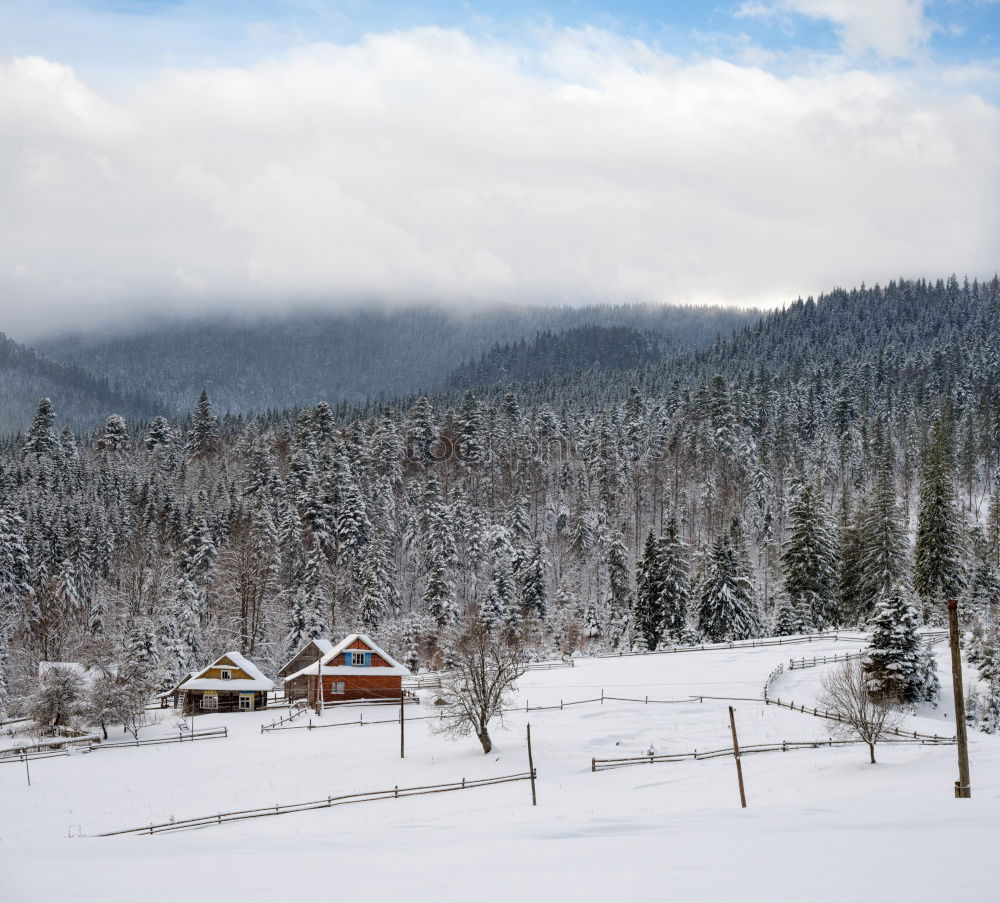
x=356, y=668
x=232, y=683
x=309, y=654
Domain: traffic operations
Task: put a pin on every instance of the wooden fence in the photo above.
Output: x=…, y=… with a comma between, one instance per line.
x=797, y=664
x=94, y=744
x=330, y=801
x=297, y=709
x=835, y=716
x=432, y=680
x=784, y=746
x=743, y=644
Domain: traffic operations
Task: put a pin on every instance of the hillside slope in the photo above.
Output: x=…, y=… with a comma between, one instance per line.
x=82, y=399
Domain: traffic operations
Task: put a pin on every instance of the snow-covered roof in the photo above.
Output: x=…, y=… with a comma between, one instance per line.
x=324, y=646
x=259, y=682
x=394, y=668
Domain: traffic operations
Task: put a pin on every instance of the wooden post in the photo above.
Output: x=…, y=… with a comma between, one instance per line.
x=402, y=736
x=736, y=755
x=963, y=788
x=27, y=768
x=531, y=769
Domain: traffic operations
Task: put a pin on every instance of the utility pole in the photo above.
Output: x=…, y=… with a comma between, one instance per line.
x=963, y=787
x=736, y=755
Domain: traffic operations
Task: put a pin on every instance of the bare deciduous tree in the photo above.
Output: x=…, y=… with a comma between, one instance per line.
x=863, y=716
x=487, y=664
x=57, y=698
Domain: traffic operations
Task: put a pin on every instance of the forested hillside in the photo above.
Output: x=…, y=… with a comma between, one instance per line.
x=833, y=463
x=581, y=348
x=85, y=400
x=283, y=362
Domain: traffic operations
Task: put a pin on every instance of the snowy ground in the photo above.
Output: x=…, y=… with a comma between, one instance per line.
x=821, y=824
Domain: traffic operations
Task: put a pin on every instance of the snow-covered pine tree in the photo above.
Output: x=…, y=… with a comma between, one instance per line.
x=727, y=605
x=377, y=595
x=939, y=570
x=188, y=605
x=160, y=434
x=810, y=559
x=353, y=526
x=989, y=722
x=648, y=615
x=203, y=439
x=199, y=550
x=438, y=598
x=882, y=550
x=786, y=622
x=531, y=582
x=620, y=588
x=930, y=685
x=675, y=586
x=41, y=440
x=892, y=658
x=115, y=440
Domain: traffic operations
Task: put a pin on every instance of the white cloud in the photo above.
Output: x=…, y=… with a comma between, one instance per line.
x=892, y=28
x=424, y=165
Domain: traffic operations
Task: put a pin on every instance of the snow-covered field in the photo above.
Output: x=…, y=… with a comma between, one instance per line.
x=821, y=824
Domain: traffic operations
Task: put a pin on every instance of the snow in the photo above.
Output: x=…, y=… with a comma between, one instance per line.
x=821, y=824
x=348, y=670
x=394, y=668
x=259, y=682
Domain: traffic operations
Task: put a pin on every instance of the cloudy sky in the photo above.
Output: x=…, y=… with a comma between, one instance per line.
x=197, y=155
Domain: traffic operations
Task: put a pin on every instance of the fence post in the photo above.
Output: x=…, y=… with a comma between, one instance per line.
x=531, y=769
x=736, y=755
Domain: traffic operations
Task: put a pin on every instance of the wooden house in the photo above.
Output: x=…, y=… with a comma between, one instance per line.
x=309, y=654
x=353, y=669
x=232, y=683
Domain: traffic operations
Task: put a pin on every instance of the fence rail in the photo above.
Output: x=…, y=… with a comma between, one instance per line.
x=207, y=734
x=743, y=644
x=835, y=716
x=797, y=664
x=745, y=749
x=330, y=801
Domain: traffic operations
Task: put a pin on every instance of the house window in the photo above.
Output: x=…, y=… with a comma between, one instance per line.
x=337, y=688
x=210, y=700
x=225, y=674
x=356, y=658
x=246, y=702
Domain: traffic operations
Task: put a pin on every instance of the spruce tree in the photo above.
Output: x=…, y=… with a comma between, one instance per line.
x=204, y=436
x=785, y=619
x=810, y=560
x=892, y=660
x=41, y=439
x=939, y=572
x=675, y=587
x=882, y=559
x=727, y=605
x=648, y=614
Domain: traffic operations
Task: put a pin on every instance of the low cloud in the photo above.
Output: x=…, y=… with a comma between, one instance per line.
x=427, y=165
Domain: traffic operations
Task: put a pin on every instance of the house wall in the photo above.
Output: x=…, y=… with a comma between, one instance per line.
x=307, y=656
x=366, y=686
x=228, y=702
x=215, y=672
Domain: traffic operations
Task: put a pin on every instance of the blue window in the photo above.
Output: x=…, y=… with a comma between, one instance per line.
x=358, y=658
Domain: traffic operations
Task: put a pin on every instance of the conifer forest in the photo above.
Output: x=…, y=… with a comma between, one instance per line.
x=833, y=463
